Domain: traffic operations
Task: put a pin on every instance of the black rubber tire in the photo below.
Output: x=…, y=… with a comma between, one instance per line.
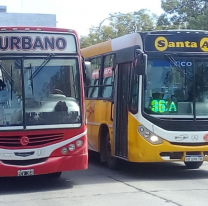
x=112, y=162
x=193, y=165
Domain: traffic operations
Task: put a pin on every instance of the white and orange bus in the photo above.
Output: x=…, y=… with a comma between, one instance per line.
x=42, y=114
x=147, y=97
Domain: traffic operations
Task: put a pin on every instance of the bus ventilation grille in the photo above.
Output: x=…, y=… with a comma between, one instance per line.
x=33, y=140
x=24, y=162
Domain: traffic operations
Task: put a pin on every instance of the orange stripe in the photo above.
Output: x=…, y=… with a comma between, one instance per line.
x=97, y=49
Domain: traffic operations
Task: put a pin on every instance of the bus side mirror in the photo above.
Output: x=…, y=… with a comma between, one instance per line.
x=87, y=72
x=141, y=64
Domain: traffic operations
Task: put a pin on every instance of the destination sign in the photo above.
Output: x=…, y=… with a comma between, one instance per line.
x=37, y=42
x=182, y=42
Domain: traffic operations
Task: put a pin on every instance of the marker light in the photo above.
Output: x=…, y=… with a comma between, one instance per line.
x=147, y=134
x=64, y=150
x=71, y=147
x=79, y=143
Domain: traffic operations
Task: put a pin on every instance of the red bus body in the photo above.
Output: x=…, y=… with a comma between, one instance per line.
x=37, y=134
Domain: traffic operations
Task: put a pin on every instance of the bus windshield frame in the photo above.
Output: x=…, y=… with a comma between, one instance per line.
x=170, y=92
x=40, y=92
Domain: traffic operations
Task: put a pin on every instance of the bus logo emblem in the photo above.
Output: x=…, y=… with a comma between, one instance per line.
x=194, y=137
x=181, y=137
x=24, y=140
x=206, y=137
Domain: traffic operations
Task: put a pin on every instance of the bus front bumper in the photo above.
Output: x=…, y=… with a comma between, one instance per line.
x=51, y=165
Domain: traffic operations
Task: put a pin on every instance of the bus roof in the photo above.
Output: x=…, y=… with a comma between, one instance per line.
x=122, y=42
x=34, y=29
x=179, y=40
x=173, y=31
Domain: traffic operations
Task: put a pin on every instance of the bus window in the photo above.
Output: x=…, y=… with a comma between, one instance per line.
x=55, y=96
x=11, y=94
x=134, y=91
x=107, y=85
x=94, y=83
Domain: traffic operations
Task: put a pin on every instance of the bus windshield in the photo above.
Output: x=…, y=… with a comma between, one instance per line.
x=38, y=91
x=176, y=86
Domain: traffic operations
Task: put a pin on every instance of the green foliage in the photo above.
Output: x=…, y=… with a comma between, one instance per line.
x=119, y=25
x=178, y=14
x=190, y=14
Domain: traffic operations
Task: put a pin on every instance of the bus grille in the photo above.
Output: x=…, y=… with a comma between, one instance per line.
x=24, y=162
x=190, y=144
x=34, y=140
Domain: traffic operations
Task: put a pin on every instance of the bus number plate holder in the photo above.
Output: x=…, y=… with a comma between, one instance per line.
x=29, y=172
x=193, y=158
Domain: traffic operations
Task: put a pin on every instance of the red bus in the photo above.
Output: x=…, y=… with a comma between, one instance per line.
x=42, y=114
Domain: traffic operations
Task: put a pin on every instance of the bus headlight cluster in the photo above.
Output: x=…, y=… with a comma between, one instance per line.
x=149, y=136
x=72, y=146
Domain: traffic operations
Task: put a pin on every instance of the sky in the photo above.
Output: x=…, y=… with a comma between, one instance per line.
x=80, y=15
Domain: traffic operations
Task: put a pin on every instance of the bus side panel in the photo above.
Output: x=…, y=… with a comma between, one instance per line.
x=98, y=113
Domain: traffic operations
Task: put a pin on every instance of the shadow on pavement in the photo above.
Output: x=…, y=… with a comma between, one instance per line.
x=39, y=183
x=151, y=171
x=99, y=173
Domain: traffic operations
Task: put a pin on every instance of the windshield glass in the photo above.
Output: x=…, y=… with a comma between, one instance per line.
x=11, y=112
x=48, y=95
x=176, y=85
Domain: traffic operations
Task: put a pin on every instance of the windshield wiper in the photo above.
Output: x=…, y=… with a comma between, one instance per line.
x=31, y=79
x=173, y=61
x=49, y=57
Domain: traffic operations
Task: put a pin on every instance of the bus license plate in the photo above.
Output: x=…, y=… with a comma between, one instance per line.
x=29, y=172
x=193, y=158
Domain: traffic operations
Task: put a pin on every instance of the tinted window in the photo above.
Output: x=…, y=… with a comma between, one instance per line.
x=107, y=83
x=93, y=87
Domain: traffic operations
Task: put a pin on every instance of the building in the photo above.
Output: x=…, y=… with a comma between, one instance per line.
x=24, y=19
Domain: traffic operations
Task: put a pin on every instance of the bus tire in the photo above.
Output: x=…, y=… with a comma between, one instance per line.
x=193, y=165
x=112, y=162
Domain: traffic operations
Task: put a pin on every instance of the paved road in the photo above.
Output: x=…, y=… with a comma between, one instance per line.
x=133, y=185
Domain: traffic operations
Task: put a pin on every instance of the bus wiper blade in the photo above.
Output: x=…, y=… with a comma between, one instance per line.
x=173, y=61
x=42, y=65
x=31, y=79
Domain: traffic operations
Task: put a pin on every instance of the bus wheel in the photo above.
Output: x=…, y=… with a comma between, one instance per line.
x=193, y=165
x=112, y=162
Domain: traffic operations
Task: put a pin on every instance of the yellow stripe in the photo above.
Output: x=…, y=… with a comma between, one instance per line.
x=97, y=49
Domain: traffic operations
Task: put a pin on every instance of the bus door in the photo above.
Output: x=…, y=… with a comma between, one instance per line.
x=120, y=113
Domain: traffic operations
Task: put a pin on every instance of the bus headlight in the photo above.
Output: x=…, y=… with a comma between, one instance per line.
x=64, y=150
x=154, y=138
x=149, y=136
x=79, y=143
x=71, y=147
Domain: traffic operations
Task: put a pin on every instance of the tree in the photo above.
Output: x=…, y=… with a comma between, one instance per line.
x=119, y=25
x=190, y=14
x=97, y=35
